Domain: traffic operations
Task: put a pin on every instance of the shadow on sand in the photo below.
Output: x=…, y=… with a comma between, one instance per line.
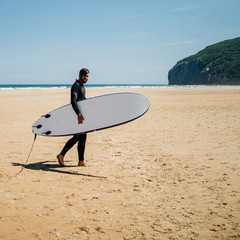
x=48, y=166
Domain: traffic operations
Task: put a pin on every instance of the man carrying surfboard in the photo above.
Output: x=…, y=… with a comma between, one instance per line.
x=77, y=93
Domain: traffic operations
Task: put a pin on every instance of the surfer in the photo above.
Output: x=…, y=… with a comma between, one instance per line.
x=77, y=93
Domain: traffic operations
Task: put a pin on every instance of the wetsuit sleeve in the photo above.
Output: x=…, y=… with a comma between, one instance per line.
x=74, y=94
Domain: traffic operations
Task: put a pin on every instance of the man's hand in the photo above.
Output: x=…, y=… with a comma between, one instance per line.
x=80, y=118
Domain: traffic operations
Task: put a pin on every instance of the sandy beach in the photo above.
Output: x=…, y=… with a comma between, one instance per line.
x=171, y=174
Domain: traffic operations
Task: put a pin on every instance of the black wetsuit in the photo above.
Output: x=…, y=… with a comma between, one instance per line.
x=77, y=94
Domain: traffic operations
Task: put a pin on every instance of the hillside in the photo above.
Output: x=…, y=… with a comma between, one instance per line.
x=216, y=64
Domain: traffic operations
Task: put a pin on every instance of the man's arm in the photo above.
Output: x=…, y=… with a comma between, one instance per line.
x=74, y=91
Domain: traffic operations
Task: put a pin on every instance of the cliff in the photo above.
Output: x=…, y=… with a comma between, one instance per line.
x=216, y=64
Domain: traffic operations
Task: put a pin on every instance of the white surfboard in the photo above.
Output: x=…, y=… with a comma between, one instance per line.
x=99, y=113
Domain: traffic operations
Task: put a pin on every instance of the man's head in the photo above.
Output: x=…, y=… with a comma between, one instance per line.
x=83, y=75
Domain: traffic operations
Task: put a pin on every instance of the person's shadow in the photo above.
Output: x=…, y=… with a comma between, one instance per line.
x=48, y=166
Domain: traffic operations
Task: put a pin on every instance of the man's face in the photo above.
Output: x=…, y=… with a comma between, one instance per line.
x=84, y=78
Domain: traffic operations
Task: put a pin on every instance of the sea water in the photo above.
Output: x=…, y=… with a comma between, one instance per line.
x=65, y=86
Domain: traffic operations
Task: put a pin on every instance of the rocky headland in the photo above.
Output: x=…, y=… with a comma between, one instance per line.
x=217, y=64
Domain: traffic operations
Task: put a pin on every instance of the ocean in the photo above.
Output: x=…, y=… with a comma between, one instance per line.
x=65, y=86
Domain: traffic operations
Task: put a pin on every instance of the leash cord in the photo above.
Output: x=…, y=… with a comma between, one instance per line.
x=22, y=167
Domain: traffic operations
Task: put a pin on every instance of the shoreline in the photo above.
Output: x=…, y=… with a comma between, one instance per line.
x=168, y=88
x=109, y=86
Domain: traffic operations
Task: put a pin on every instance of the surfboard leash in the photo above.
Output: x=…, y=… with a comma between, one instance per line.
x=22, y=167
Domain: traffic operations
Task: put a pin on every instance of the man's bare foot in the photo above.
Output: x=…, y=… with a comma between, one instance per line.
x=81, y=164
x=60, y=160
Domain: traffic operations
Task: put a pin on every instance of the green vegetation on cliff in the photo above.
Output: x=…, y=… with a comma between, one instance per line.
x=216, y=64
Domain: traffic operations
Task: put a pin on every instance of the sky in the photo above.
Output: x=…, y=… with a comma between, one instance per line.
x=119, y=41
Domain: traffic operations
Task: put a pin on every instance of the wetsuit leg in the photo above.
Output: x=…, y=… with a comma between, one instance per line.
x=81, y=146
x=70, y=143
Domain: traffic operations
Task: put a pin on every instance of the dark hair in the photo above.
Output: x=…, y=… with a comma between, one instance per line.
x=83, y=72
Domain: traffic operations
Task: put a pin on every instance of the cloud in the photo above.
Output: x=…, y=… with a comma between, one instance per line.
x=138, y=34
x=230, y=32
x=133, y=16
x=184, y=9
x=186, y=42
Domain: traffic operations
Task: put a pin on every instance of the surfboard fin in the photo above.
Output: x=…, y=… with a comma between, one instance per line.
x=38, y=126
x=47, y=115
x=47, y=133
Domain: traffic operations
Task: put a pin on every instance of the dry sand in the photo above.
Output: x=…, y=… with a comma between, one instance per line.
x=171, y=174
